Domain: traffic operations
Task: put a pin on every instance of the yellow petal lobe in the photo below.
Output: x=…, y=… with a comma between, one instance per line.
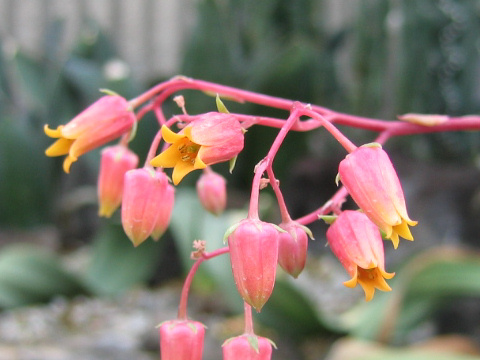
x=57, y=133
x=59, y=147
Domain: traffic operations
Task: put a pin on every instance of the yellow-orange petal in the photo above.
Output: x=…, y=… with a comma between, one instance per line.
x=168, y=158
x=395, y=239
x=59, y=147
x=69, y=160
x=169, y=136
x=403, y=230
x=181, y=169
x=57, y=133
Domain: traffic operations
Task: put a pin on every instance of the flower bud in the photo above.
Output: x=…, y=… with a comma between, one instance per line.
x=105, y=120
x=142, y=198
x=209, y=139
x=253, y=254
x=357, y=243
x=115, y=162
x=368, y=175
x=181, y=340
x=212, y=192
x=247, y=347
x=292, y=248
x=164, y=212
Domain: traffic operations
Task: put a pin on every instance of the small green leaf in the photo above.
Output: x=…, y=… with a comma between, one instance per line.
x=253, y=341
x=220, y=105
x=232, y=163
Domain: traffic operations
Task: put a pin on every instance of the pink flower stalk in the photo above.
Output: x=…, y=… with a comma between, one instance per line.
x=210, y=139
x=368, y=175
x=254, y=254
x=212, y=191
x=115, y=162
x=105, y=120
x=247, y=347
x=142, y=200
x=357, y=243
x=164, y=212
x=181, y=340
x=292, y=248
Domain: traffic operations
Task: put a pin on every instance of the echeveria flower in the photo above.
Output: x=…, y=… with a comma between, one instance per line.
x=115, y=162
x=369, y=176
x=142, y=200
x=212, y=191
x=181, y=340
x=105, y=120
x=247, y=347
x=357, y=243
x=292, y=247
x=254, y=254
x=210, y=139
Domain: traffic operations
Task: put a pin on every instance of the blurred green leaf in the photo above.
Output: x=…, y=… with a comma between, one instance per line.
x=116, y=265
x=25, y=176
x=29, y=274
x=353, y=349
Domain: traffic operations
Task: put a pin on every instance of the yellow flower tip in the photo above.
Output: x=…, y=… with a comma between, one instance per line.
x=57, y=133
x=59, y=147
x=169, y=136
x=106, y=210
x=68, y=162
x=395, y=239
x=371, y=279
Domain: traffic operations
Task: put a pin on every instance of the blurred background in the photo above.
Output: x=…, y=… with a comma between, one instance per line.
x=71, y=284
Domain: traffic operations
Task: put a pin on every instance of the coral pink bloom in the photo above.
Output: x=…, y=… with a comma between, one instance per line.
x=181, y=340
x=371, y=180
x=212, y=191
x=164, y=212
x=254, y=254
x=292, y=248
x=106, y=119
x=115, y=162
x=210, y=139
x=142, y=199
x=247, y=347
x=357, y=243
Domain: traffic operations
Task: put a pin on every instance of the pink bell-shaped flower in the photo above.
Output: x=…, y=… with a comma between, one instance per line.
x=254, y=254
x=211, y=138
x=247, y=347
x=368, y=175
x=105, y=120
x=164, y=212
x=142, y=199
x=181, y=340
x=115, y=162
x=357, y=243
x=212, y=191
x=292, y=247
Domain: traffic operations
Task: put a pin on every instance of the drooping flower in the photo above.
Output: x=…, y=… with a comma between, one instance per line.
x=370, y=178
x=105, y=120
x=357, y=243
x=247, y=347
x=164, y=212
x=142, y=200
x=115, y=162
x=212, y=191
x=210, y=139
x=292, y=247
x=253, y=248
x=181, y=340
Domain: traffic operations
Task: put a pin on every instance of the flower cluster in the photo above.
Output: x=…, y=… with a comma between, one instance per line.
x=257, y=248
